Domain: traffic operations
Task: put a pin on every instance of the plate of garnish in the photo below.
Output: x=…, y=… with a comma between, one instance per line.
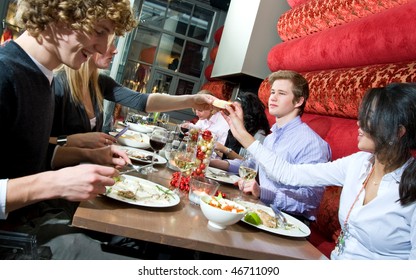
x=263, y=217
x=141, y=192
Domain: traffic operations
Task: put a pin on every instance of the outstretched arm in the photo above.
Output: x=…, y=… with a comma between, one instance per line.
x=165, y=102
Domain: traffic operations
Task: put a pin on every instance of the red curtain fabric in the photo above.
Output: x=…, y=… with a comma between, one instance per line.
x=380, y=38
x=318, y=15
x=338, y=92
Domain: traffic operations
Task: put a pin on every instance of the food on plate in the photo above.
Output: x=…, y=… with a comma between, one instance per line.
x=253, y=218
x=267, y=219
x=143, y=193
x=225, y=204
x=127, y=194
x=221, y=103
x=140, y=156
x=261, y=217
x=134, y=137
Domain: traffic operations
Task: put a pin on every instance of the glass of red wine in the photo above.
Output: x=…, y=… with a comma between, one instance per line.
x=157, y=141
x=184, y=126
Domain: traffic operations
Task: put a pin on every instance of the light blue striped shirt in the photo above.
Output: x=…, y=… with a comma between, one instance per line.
x=297, y=143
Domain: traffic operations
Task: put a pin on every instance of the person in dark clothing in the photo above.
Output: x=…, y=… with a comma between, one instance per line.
x=57, y=32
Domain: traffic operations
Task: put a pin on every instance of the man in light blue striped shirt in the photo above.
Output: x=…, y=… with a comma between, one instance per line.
x=293, y=140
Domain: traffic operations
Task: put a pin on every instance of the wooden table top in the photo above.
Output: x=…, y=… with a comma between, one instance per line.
x=185, y=226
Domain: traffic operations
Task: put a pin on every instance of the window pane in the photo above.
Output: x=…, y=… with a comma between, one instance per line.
x=201, y=24
x=193, y=59
x=170, y=48
x=143, y=46
x=184, y=87
x=178, y=17
x=161, y=83
x=136, y=76
x=153, y=13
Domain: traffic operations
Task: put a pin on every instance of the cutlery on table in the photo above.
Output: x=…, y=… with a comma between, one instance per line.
x=279, y=215
x=135, y=168
x=122, y=132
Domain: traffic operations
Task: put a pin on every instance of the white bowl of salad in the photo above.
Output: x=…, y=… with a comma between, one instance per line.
x=221, y=212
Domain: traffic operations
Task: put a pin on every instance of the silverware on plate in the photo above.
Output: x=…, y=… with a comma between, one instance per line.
x=122, y=132
x=279, y=215
x=135, y=168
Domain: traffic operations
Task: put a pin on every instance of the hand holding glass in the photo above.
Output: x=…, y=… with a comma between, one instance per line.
x=247, y=171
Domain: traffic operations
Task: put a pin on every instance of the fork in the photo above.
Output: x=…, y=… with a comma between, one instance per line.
x=134, y=168
x=279, y=215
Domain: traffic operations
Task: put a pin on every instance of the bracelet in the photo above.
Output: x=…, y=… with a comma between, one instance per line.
x=227, y=151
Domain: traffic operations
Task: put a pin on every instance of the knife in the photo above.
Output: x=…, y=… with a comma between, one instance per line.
x=122, y=131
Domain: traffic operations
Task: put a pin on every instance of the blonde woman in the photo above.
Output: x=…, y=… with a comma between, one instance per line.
x=79, y=96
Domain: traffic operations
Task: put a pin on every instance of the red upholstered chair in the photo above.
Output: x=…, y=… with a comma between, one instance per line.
x=221, y=89
x=341, y=135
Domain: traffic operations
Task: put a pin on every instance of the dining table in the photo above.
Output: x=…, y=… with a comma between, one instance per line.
x=184, y=225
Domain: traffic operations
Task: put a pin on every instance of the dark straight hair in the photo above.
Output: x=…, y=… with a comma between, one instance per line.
x=384, y=113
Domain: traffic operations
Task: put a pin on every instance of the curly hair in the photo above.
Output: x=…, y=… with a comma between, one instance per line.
x=36, y=15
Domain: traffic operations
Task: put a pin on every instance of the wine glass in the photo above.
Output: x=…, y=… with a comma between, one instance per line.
x=164, y=119
x=247, y=171
x=184, y=127
x=157, y=141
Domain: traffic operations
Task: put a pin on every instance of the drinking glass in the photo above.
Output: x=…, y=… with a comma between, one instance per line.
x=157, y=141
x=247, y=171
x=164, y=119
x=184, y=130
x=184, y=158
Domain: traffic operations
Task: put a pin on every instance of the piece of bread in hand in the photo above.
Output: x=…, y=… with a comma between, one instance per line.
x=221, y=103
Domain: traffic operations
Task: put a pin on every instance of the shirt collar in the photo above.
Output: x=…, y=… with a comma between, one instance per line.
x=48, y=73
x=288, y=126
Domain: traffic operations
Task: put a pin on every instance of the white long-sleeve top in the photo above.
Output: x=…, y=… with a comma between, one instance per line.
x=381, y=229
x=217, y=125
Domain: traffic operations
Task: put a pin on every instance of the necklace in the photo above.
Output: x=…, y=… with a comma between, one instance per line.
x=344, y=234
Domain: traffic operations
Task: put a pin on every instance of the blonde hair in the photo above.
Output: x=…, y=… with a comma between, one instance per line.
x=79, y=81
x=36, y=15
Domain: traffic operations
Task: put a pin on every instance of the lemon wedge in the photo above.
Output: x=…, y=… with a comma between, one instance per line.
x=252, y=218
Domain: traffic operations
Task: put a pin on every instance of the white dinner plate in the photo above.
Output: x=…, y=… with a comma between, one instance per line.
x=298, y=229
x=140, y=127
x=133, y=139
x=143, y=155
x=145, y=193
x=221, y=175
